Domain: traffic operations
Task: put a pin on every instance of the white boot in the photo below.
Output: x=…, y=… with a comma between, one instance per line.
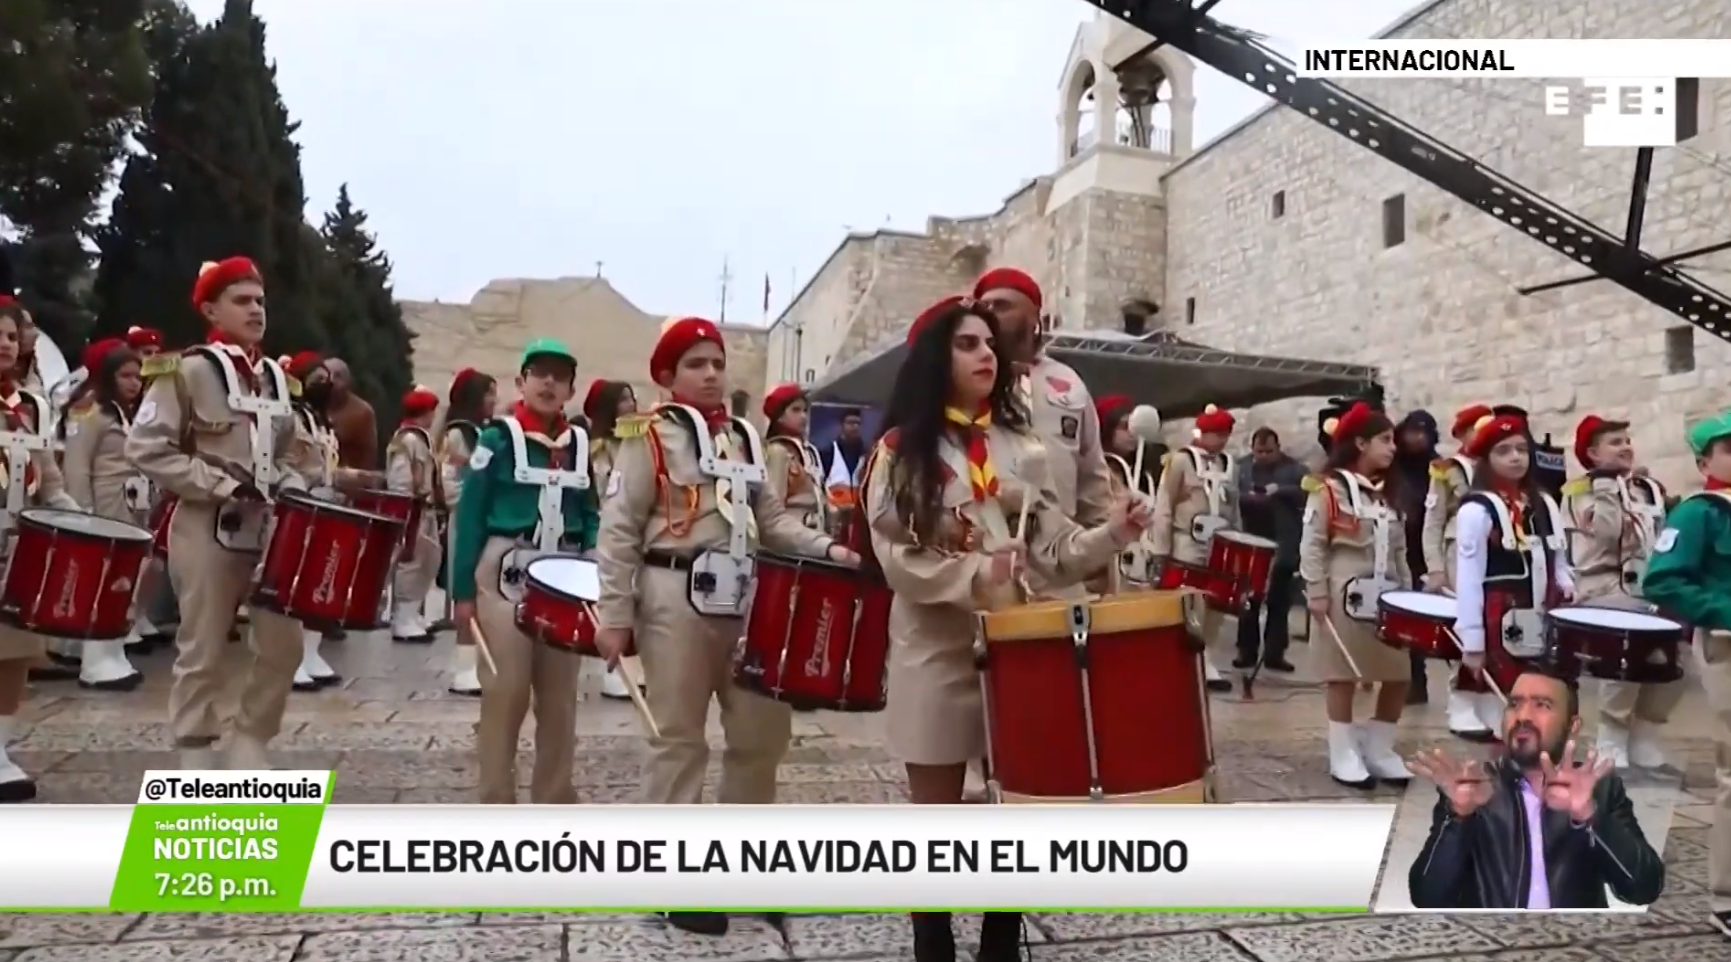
x=465, y=676
x=406, y=624
x=1645, y=750
x=613, y=685
x=1380, y=758
x=1345, y=763
x=1613, y=743
x=312, y=664
x=200, y=759
x=246, y=754
x=103, y=665
x=16, y=785
x=1463, y=716
x=1490, y=708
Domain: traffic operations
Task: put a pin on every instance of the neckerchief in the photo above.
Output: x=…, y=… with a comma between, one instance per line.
x=715, y=415
x=982, y=475
x=249, y=355
x=1515, y=498
x=549, y=432
x=1714, y=484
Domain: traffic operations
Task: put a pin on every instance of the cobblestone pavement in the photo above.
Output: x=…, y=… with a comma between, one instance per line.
x=395, y=736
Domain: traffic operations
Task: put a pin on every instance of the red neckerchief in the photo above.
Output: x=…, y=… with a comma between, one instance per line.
x=982, y=477
x=533, y=423
x=1516, y=498
x=1714, y=484
x=13, y=412
x=714, y=415
x=249, y=370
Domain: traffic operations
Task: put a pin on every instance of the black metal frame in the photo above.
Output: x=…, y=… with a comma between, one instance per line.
x=1236, y=53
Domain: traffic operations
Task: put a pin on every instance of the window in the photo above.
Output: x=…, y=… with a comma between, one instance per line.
x=741, y=401
x=1394, y=221
x=1279, y=205
x=1679, y=349
x=1190, y=310
x=1688, y=108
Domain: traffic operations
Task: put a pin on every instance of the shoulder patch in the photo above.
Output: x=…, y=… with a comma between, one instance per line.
x=1667, y=541
x=1577, y=486
x=481, y=458
x=1440, y=468
x=1313, y=483
x=615, y=483
x=631, y=426
x=146, y=413
x=159, y=365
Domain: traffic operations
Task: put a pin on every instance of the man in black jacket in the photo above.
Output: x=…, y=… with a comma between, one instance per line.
x=1537, y=829
x=1271, y=497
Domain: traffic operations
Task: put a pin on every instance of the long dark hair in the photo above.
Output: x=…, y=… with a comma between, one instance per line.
x=916, y=413
x=466, y=399
x=1343, y=455
x=607, y=406
x=1485, y=476
x=104, y=382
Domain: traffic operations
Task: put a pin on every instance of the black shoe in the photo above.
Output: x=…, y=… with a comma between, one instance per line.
x=53, y=672
x=1001, y=937
x=698, y=923
x=128, y=683
x=23, y=790
x=934, y=940
x=443, y=624
x=335, y=634
x=1219, y=685
x=1279, y=664
x=1244, y=662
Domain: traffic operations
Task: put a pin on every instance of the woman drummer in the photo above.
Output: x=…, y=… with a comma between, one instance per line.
x=1352, y=549
x=1122, y=443
x=793, y=466
x=470, y=403
x=23, y=411
x=611, y=407
x=939, y=499
x=99, y=478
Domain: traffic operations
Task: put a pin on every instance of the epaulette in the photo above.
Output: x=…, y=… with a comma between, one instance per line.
x=1313, y=483
x=159, y=365
x=294, y=384
x=631, y=426
x=888, y=441
x=1439, y=469
x=1577, y=486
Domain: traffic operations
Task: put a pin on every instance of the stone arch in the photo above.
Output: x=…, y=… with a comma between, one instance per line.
x=1083, y=76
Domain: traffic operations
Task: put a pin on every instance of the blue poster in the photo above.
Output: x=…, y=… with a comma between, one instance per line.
x=825, y=424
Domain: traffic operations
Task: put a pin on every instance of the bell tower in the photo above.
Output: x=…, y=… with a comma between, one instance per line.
x=1118, y=90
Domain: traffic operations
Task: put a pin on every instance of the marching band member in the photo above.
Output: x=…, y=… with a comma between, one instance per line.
x=145, y=342
x=219, y=434
x=501, y=524
x=1197, y=497
x=1120, y=442
x=611, y=406
x=469, y=405
x=1616, y=512
x=103, y=482
x=35, y=481
x=1473, y=714
x=28, y=369
x=678, y=526
x=1689, y=575
x=1509, y=542
x=940, y=510
x=792, y=464
x=411, y=468
x=1353, y=548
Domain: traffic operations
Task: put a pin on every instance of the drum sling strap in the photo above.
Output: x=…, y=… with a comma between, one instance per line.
x=20, y=445
x=1362, y=597
x=719, y=580
x=241, y=528
x=810, y=469
x=552, y=483
x=1522, y=630
x=1204, y=527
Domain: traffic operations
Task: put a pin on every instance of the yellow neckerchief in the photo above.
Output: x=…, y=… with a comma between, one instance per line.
x=982, y=474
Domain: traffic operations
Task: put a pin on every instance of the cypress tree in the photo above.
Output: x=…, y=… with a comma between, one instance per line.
x=366, y=313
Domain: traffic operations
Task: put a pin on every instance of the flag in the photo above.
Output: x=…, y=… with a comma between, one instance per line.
x=766, y=292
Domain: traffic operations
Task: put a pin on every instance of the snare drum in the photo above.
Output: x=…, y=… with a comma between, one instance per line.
x=1615, y=644
x=1420, y=622
x=1247, y=560
x=161, y=516
x=73, y=575
x=1077, y=693
x=392, y=504
x=1221, y=592
x=327, y=565
x=557, y=609
x=816, y=635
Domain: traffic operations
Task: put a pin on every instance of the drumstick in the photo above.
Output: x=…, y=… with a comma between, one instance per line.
x=634, y=687
x=481, y=643
x=1328, y=623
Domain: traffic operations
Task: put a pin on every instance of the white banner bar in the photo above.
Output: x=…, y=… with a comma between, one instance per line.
x=233, y=788
x=1532, y=59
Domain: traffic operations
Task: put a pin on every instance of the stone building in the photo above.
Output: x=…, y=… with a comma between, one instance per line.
x=611, y=336
x=1282, y=237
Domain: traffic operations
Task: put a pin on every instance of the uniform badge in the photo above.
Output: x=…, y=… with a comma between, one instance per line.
x=1070, y=427
x=1667, y=540
x=71, y=428
x=615, y=483
x=146, y=413
x=480, y=458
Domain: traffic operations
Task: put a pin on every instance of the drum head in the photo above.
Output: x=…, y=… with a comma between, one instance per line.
x=1421, y=603
x=318, y=506
x=77, y=522
x=1239, y=537
x=567, y=575
x=1613, y=618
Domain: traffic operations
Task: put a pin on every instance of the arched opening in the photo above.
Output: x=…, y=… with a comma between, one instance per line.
x=1078, y=110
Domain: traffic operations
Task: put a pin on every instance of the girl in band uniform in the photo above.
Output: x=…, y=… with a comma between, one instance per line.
x=412, y=469
x=793, y=465
x=611, y=407
x=470, y=404
x=940, y=493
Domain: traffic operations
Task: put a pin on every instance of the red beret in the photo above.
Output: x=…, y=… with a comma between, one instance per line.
x=1466, y=418
x=301, y=365
x=1108, y=406
x=1008, y=279
x=778, y=399
x=1591, y=428
x=1213, y=420
x=98, y=351
x=678, y=337
x=1349, y=425
x=934, y=312
x=143, y=337
x=218, y=276
x=419, y=401
x=1492, y=430
x=461, y=378
x=592, y=397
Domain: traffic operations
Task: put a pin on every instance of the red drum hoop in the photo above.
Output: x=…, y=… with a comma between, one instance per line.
x=327, y=565
x=73, y=575
x=816, y=635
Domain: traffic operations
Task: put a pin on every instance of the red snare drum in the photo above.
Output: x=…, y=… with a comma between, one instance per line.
x=816, y=635
x=559, y=593
x=392, y=504
x=1420, y=622
x=1501, y=667
x=73, y=575
x=1615, y=644
x=327, y=565
x=1221, y=592
x=1246, y=559
x=161, y=516
x=1075, y=694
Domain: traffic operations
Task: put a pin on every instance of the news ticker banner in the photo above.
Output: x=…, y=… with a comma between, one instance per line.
x=269, y=842
x=1528, y=59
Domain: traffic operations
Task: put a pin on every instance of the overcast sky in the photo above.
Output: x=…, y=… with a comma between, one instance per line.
x=534, y=138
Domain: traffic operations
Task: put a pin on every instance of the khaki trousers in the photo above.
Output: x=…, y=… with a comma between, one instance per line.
x=210, y=584
x=1714, y=661
x=415, y=575
x=687, y=662
x=529, y=673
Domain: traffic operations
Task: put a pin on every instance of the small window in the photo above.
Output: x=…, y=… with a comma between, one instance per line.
x=1278, y=207
x=1688, y=108
x=1680, y=349
x=1394, y=221
x=741, y=401
x=1190, y=310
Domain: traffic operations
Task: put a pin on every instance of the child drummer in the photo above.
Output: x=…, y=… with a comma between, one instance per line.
x=412, y=469
x=1473, y=714
x=1616, y=512
x=793, y=465
x=675, y=550
x=1198, y=497
x=611, y=407
x=499, y=527
x=472, y=398
x=1689, y=576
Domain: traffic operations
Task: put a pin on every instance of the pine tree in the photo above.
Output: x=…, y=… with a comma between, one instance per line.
x=366, y=319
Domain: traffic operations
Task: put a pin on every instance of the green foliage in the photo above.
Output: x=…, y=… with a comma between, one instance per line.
x=366, y=318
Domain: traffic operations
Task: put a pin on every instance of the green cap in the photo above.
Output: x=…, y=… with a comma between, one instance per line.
x=1704, y=433
x=545, y=347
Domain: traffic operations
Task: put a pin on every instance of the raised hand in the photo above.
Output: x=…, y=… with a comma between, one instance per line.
x=1130, y=517
x=1569, y=785
x=1463, y=781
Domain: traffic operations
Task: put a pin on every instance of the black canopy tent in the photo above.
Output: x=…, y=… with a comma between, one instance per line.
x=1173, y=375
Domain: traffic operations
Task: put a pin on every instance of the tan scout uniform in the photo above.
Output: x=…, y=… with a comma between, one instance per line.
x=411, y=468
x=315, y=456
x=661, y=510
x=454, y=453
x=1349, y=525
x=603, y=452
x=1614, y=522
x=42, y=484
x=194, y=439
x=1450, y=481
x=1194, y=487
x=794, y=469
x=935, y=715
x=103, y=482
x=1065, y=419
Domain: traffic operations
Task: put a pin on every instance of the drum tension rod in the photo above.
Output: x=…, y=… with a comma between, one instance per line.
x=1079, y=625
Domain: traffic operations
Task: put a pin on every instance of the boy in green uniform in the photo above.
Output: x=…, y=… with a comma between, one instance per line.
x=505, y=517
x=1689, y=576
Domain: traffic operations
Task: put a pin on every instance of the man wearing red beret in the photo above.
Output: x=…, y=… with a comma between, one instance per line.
x=217, y=529
x=684, y=507
x=145, y=342
x=1197, y=498
x=1472, y=715
x=411, y=469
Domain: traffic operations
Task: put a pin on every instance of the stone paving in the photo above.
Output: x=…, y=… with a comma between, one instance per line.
x=394, y=736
